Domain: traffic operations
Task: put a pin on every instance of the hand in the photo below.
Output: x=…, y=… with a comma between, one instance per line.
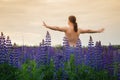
x=101, y=30
x=44, y=24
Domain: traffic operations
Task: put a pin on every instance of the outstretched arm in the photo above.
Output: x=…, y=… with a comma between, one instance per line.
x=91, y=31
x=56, y=28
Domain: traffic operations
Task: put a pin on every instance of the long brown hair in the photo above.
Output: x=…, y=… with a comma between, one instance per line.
x=72, y=19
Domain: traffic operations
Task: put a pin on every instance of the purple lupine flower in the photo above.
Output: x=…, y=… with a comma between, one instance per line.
x=118, y=74
x=66, y=49
x=20, y=54
x=91, y=43
x=78, y=53
x=41, y=57
x=78, y=44
x=48, y=39
x=116, y=58
x=59, y=60
x=2, y=39
x=84, y=51
x=3, y=53
x=108, y=59
x=33, y=53
x=98, y=56
x=29, y=53
x=9, y=48
x=8, y=42
x=38, y=55
x=43, y=54
x=65, y=42
x=14, y=57
x=90, y=54
x=24, y=55
x=48, y=46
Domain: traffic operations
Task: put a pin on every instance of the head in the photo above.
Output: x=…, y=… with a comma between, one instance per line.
x=72, y=20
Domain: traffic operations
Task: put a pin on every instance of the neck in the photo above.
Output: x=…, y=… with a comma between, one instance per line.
x=71, y=25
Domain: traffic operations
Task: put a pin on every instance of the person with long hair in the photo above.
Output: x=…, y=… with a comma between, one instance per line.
x=72, y=32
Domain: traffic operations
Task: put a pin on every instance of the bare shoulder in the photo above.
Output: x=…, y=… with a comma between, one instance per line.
x=65, y=27
x=62, y=29
x=82, y=30
x=79, y=29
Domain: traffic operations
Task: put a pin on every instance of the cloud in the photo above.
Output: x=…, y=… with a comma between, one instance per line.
x=25, y=16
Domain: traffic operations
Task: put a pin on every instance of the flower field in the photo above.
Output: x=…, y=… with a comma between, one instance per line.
x=44, y=62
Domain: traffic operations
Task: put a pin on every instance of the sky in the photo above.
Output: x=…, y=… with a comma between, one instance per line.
x=22, y=19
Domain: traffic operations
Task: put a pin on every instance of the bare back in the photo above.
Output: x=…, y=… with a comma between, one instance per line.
x=72, y=36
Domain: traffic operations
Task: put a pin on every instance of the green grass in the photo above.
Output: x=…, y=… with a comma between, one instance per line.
x=8, y=72
x=29, y=71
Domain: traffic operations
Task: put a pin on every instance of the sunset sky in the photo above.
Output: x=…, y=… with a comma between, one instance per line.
x=22, y=19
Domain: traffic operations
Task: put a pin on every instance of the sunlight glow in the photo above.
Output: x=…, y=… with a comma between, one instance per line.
x=24, y=16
